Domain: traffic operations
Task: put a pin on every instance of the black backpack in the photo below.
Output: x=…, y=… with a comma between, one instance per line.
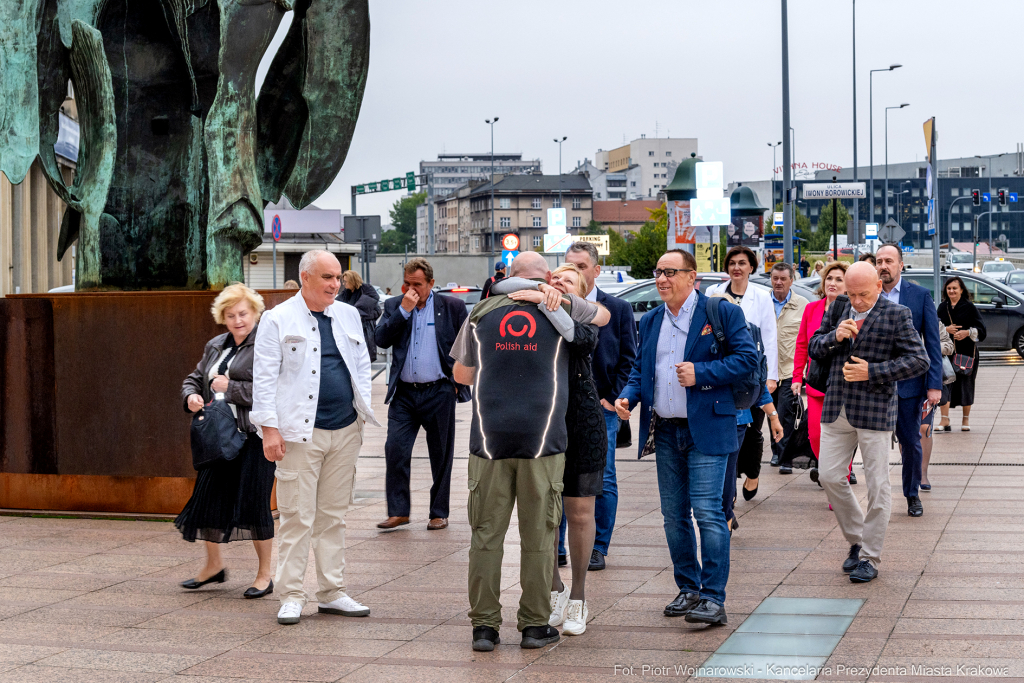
x=746, y=391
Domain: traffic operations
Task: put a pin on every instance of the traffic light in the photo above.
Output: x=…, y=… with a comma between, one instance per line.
x=1002, y=197
x=976, y=197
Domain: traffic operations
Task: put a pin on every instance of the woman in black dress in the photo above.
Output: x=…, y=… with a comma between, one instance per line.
x=960, y=317
x=366, y=300
x=231, y=499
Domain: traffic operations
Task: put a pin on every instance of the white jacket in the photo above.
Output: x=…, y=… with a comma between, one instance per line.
x=759, y=310
x=285, y=386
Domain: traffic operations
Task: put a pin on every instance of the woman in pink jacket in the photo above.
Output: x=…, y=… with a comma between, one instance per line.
x=832, y=285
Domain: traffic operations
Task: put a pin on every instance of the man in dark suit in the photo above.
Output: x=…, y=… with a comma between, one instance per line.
x=871, y=344
x=612, y=360
x=913, y=392
x=681, y=378
x=421, y=327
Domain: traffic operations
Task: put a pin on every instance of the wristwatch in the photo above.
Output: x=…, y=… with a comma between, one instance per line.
x=773, y=413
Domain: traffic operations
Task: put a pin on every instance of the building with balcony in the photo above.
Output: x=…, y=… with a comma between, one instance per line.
x=452, y=171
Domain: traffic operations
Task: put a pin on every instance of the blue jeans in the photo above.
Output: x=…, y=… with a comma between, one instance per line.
x=690, y=480
x=608, y=501
x=729, y=491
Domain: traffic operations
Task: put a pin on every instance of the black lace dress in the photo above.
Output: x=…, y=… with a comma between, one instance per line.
x=584, y=420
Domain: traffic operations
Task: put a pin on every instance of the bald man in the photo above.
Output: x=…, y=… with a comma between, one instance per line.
x=871, y=344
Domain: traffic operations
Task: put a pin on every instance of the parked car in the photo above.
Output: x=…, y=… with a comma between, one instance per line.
x=612, y=282
x=997, y=269
x=960, y=260
x=1001, y=308
x=1015, y=280
x=469, y=295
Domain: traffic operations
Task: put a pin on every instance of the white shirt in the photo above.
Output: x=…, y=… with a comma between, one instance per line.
x=759, y=310
x=286, y=383
x=893, y=294
x=592, y=294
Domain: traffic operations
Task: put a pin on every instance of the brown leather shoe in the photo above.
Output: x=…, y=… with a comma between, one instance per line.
x=437, y=523
x=392, y=522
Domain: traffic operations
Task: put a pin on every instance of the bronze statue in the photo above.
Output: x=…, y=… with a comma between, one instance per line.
x=178, y=155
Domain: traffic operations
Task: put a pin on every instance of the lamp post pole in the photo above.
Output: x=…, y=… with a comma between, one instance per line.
x=491, y=123
x=787, y=172
x=887, y=156
x=871, y=142
x=773, y=171
x=564, y=138
x=856, y=202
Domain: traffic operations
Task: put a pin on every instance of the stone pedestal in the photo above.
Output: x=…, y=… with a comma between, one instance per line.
x=91, y=416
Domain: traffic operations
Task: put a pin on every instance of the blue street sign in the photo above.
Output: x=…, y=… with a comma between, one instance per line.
x=931, y=228
x=507, y=256
x=986, y=197
x=1013, y=197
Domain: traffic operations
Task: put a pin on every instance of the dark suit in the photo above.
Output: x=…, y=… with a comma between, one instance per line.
x=431, y=405
x=914, y=391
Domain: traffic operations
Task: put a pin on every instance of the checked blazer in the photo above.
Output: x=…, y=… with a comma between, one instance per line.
x=893, y=349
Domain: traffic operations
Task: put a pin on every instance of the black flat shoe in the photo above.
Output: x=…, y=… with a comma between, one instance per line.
x=863, y=573
x=683, y=603
x=219, y=577
x=785, y=469
x=707, y=612
x=254, y=592
x=914, y=507
x=748, y=494
x=853, y=559
x=596, y=561
x=925, y=487
x=562, y=560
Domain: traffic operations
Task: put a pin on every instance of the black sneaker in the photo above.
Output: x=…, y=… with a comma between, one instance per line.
x=562, y=560
x=485, y=638
x=707, y=612
x=539, y=636
x=863, y=573
x=596, y=561
x=851, y=562
x=785, y=469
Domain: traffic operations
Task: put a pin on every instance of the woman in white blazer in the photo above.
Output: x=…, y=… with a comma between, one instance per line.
x=757, y=306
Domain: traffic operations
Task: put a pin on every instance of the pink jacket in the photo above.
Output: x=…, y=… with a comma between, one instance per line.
x=809, y=324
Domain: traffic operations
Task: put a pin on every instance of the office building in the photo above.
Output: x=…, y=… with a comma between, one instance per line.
x=656, y=159
x=452, y=171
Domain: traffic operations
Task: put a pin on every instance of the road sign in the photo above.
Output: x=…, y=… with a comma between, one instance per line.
x=710, y=211
x=1013, y=197
x=556, y=222
x=778, y=219
x=835, y=191
x=986, y=197
x=891, y=231
x=359, y=228
x=275, y=228
x=557, y=244
x=507, y=256
x=510, y=242
x=710, y=175
x=871, y=231
x=599, y=241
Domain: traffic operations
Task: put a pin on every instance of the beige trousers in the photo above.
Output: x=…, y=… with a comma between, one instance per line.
x=314, y=491
x=839, y=440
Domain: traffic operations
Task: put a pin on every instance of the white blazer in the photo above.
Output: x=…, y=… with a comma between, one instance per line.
x=285, y=386
x=759, y=310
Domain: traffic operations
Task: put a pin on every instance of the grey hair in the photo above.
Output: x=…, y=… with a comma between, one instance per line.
x=309, y=259
x=580, y=247
x=788, y=267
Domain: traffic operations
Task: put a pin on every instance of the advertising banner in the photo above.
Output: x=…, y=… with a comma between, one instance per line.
x=745, y=231
x=680, y=231
x=773, y=251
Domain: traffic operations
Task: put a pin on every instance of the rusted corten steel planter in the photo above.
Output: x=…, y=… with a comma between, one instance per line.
x=91, y=417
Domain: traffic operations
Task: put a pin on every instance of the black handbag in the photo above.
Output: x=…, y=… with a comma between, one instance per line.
x=215, y=435
x=799, y=453
x=817, y=374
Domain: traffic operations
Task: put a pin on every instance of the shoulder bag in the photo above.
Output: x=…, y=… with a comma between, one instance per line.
x=962, y=363
x=215, y=435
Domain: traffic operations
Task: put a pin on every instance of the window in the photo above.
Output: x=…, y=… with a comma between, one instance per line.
x=916, y=210
x=878, y=208
x=915, y=192
x=668, y=154
x=632, y=183
x=916, y=227
x=535, y=203
x=814, y=211
x=878, y=192
x=556, y=203
x=505, y=203
x=980, y=292
x=577, y=202
x=536, y=222
x=476, y=241
x=650, y=153
x=505, y=222
x=536, y=241
x=955, y=209
x=577, y=222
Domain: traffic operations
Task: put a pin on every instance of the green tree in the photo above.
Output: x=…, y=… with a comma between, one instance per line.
x=403, y=217
x=641, y=249
x=594, y=228
x=821, y=239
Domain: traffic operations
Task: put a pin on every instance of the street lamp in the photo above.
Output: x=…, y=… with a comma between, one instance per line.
x=773, y=171
x=871, y=141
x=990, y=158
x=491, y=123
x=887, y=156
x=564, y=138
x=856, y=204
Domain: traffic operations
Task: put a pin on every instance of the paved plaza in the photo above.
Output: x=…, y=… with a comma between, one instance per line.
x=98, y=599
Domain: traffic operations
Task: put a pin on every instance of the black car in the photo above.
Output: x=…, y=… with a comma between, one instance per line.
x=1015, y=280
x=1001, y=307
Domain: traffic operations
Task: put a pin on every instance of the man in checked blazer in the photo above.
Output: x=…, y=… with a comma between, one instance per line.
x=872, y=344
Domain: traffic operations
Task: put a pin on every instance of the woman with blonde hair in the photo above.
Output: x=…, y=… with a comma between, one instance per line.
x=231, y=498
x=366, y=300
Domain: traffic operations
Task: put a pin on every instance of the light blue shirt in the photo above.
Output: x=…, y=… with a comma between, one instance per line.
x=894, y=293
x=779, y=304
x=669, y=395
x=422, y=363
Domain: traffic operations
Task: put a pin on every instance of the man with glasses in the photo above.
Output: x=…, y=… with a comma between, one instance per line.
x=681, y=377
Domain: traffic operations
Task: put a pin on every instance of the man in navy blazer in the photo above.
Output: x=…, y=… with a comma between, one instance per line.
x=420, y=327
x=912, y=392
x=611, y=361
x=681, y=377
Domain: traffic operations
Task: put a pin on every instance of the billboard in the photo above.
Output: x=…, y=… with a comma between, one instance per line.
x=304, y=222
x=745, y=231
x=680, y=231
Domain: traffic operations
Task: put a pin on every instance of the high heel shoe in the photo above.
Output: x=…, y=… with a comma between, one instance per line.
x=964, y=426
x=947, y=427
x=219, y=577
x=254, y=592
x=748, y=494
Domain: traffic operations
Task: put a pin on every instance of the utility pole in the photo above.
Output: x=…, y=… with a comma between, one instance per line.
x=564, y=138
x=856, y=202
x=491, y=123
x=430, y=214
x=787, y=171
x=871, y=142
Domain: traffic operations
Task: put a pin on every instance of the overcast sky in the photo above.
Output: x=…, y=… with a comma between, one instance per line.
x=601, y=72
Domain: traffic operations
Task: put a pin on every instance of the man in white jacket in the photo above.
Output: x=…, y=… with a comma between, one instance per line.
x=758, y=309
x=311, y=397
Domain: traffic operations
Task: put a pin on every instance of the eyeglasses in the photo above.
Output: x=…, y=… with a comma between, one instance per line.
x=671, y=272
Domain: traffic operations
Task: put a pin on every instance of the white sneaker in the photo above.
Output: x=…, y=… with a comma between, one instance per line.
x=576, y=614
x=345, y=606
x=558, y=602
x=289, y=613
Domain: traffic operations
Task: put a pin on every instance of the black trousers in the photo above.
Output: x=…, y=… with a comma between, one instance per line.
x=748, y=462
x=785, y=403
x=433, y=409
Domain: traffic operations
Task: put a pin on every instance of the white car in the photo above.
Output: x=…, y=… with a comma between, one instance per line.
x=997, y=270
x=960, y=260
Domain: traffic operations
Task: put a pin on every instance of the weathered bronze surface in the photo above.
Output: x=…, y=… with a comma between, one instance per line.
x=178, y=155
x=90, y=391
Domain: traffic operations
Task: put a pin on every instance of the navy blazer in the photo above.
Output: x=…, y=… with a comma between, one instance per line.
x=616, y=348
x=395, y=331
x=709, y=404
x=926, y=322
